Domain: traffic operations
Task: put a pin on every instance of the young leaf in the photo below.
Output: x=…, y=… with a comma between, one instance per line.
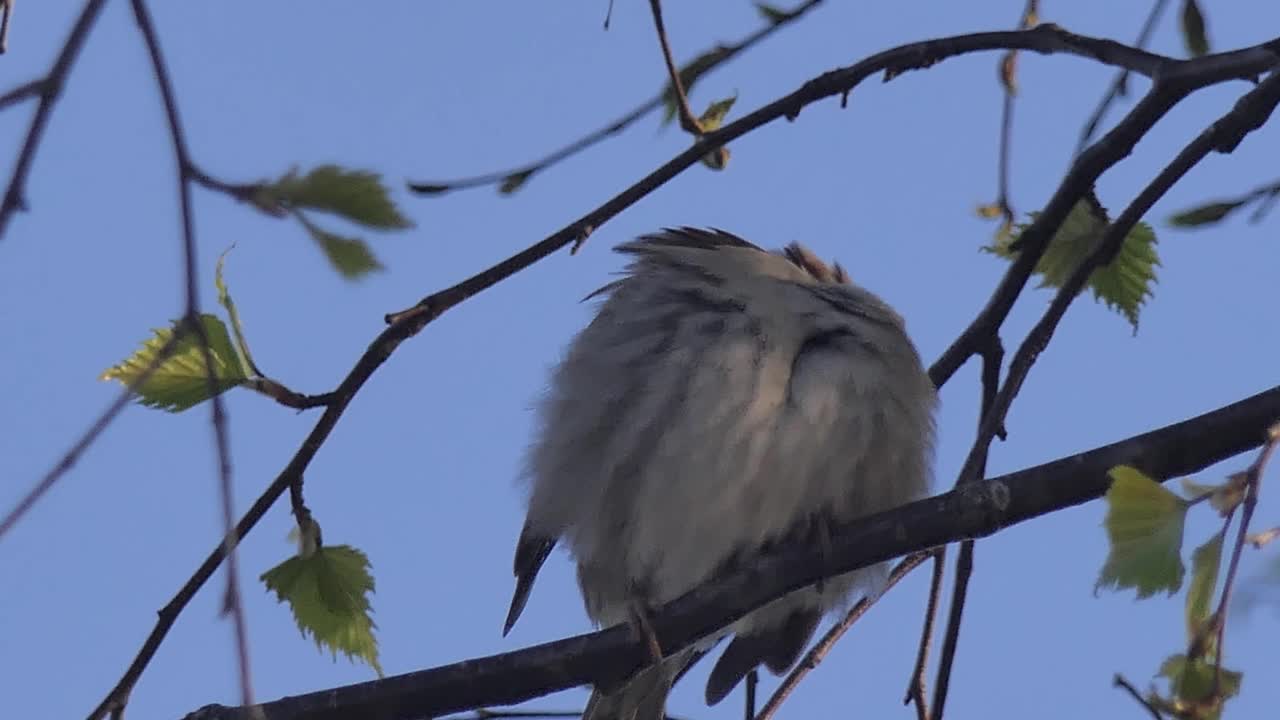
x=1144, y=525
x=772, y=14
x=1205, y=562
x=224, y=299
x=514, y=182
x=351, y=257
x=714, y=116
x=353, y=194
x=1124, y=285
x=1191, y=682
x=180, y=382
x=689, y=75
x=1193, y=29
x=1205, y=214
x=328, y=594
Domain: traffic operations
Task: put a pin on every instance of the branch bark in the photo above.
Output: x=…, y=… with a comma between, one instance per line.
x=975, y=510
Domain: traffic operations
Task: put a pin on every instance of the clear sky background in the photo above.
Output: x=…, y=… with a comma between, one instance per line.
x=420, y=471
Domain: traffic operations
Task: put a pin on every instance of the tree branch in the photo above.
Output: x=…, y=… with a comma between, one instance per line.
x=712, y=58
x=688, y=120
x=975, y=510
x=1118, y=86
x=50, y=91
x=408, y=323
x=1250, y=112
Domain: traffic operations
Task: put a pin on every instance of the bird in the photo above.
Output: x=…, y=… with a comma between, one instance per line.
x=724, y=398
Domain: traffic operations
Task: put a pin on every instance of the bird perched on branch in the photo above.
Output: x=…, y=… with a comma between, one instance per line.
x=723, y=399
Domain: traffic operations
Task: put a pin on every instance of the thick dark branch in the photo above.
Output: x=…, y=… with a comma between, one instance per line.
x=893, y=62
x=975, y=510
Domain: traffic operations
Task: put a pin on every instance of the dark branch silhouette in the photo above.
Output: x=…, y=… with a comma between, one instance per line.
x=1046, y=38
x=974, y=510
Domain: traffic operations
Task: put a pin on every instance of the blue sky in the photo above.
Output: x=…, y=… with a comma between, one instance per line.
x=420, y=473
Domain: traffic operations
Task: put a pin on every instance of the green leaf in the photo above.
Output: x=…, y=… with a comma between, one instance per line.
x=351, y=257
x=1191, y=682
x=1124, y=285
x=181, y=380
x=1205, y=214
x=715, y=113
x=328, y=594
x=1205, y=562
x=1193, y=29
x=224, y=299
x=689, y=75
x=1144, y=525
x=771, y=14
x=514, y=181
x=353, y=194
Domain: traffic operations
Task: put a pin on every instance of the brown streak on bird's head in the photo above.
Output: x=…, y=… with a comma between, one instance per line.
x=803, y=258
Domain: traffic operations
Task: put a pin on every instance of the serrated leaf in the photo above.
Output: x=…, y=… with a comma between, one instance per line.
x=514, y=181
x=356, y=195
x=715, y=113
x=351, y=257
x=1205, y=562
x=1205, y=214
x=689, y=76
x=772, y=14
x=1124, y=285
x=181, y=382
x=328, y=594
x=1144, y=526
x=247, y=365
x=1193, y=29
x=1191, y=682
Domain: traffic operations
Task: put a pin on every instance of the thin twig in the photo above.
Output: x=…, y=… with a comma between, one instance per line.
x=1249, y=113
x=819, y=651
x=715, y=57
x=1253, y=485
x=1120, y=682
x=6, y=9
x=688, y=120
x=406, y=324
x=285, y=396
x=71, y=456
x=916, y=687
x=1118, y=86
x=50, y=91
x=1008, y=79
x=232, y=604
x=22, y=92
x=753, y=679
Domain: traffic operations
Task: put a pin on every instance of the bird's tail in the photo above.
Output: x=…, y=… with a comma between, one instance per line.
x=644, y=696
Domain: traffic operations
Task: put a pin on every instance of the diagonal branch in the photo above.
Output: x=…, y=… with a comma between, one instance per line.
x=974, y=510
x=893, y=62
x=50, y=91
x=704, y=63
x=1250, y=112
x=1119, y=86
